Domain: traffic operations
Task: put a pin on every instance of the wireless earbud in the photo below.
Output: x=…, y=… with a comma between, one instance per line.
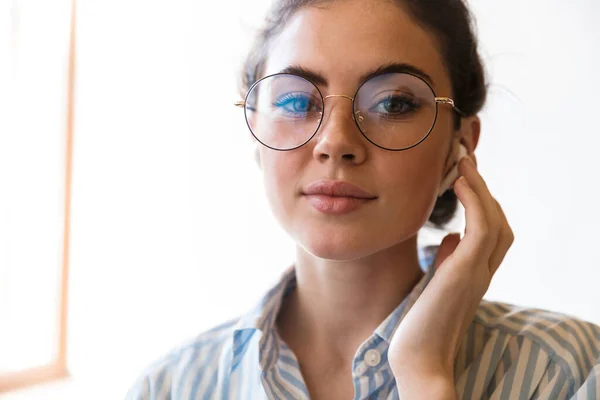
x=453, y=174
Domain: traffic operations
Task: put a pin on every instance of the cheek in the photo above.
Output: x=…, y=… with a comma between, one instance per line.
x=411, y=185
x=280, y=174
x=417, y=172
x=414, y=191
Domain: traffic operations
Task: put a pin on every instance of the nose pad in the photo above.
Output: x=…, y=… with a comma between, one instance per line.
x=359, y=117
x=359, y=120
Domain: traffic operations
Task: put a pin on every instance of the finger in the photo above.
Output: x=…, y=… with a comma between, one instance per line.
x=479, y=186
x=447, y=247
x=506, y=238
x=473, y=246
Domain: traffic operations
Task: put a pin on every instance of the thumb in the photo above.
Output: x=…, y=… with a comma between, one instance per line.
x=446, y=248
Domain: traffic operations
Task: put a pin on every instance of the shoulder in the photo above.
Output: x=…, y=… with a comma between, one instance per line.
x=557, y=332
x=542, y=339
x=185, y=366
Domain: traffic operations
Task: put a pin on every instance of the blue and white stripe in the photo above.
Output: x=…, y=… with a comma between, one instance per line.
x=509, y=352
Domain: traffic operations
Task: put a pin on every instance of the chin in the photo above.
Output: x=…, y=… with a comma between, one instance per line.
x=339, y=246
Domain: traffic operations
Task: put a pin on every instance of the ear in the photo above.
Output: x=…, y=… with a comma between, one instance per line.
x=470, y=129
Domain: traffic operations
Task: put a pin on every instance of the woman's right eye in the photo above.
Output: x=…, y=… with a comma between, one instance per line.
x=295, y=103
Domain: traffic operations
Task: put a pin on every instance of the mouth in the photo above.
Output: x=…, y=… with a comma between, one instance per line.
x=336, y=205
x=336, y=197
x=338, y=189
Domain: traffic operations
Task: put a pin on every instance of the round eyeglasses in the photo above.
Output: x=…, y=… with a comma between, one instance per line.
x=394, y=111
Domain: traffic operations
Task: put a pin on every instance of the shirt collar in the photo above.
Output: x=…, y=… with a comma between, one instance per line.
x=261, y=317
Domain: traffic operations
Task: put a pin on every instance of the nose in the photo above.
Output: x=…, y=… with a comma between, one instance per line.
x=338, y=138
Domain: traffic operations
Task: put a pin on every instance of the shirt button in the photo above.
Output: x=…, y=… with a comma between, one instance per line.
x=372, y=357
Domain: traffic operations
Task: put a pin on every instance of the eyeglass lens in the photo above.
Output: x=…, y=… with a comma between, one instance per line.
x=394, y=111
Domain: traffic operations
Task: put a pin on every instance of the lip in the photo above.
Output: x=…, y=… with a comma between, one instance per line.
x=336, y=197
x=338, y=189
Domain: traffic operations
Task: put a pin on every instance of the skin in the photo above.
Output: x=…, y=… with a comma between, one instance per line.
x=354, y=269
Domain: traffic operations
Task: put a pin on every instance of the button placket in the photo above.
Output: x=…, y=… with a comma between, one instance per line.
x=360, y=369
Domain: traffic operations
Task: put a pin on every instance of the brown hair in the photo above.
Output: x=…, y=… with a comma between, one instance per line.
x=452, y=24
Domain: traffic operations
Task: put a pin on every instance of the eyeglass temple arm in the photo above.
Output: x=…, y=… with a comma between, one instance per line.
x=448, y=100
x=240, y=103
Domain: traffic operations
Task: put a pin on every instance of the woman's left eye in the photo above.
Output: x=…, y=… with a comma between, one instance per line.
x=396, y=105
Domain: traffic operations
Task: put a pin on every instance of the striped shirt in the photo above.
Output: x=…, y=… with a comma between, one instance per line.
x=509, y=352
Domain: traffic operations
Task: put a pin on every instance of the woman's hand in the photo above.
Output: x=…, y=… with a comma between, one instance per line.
x=425, y=345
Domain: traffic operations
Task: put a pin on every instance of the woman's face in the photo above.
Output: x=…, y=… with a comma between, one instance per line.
x=342, y=42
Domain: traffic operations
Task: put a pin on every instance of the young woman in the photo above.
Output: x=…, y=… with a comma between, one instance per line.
x=360, y=110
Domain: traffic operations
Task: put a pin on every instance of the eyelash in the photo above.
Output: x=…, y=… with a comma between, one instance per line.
x=408, y=100
x=290, y=97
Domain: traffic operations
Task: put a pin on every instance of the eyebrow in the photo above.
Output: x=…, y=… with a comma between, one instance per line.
x=319, y=79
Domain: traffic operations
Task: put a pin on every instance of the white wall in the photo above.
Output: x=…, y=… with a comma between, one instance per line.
x=168, y=205
x=539, y=148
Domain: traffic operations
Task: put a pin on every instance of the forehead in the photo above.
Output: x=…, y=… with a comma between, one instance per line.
x=344, y=40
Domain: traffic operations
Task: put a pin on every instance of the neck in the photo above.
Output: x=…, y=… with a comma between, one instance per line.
x=338, y=304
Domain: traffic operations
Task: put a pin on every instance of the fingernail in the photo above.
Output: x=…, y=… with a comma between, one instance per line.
x=471, y=161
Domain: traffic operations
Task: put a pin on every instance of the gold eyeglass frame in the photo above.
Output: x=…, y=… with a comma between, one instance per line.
x=355, y=115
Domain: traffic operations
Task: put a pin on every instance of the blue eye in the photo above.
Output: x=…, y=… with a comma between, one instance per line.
x=396, y=106
x=296, y=104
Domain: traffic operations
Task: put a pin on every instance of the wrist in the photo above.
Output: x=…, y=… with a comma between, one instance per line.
x=423, y=387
